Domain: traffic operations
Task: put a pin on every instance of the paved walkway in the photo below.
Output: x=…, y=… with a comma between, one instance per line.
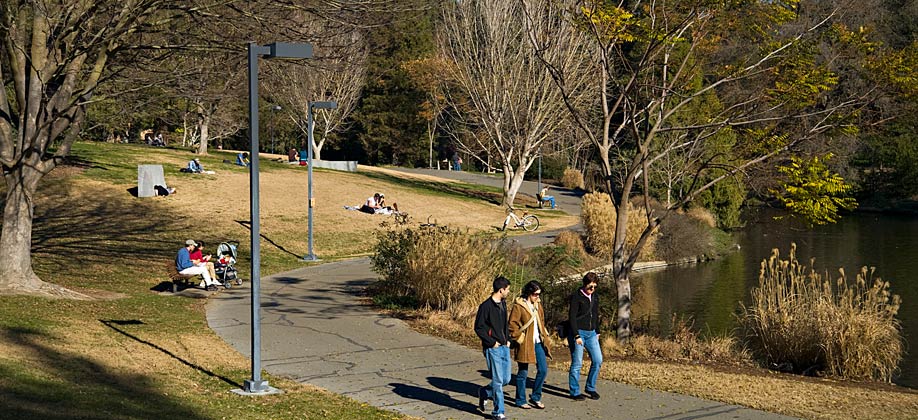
x=317, y=329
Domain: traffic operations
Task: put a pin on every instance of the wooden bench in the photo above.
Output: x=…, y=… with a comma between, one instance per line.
x=177, y=277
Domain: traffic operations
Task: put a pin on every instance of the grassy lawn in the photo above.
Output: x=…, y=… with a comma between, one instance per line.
x=135, y=353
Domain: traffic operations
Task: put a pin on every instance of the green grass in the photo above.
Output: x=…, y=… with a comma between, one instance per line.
x=140, y=354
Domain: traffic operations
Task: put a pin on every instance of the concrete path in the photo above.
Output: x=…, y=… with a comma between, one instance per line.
x=317, y=329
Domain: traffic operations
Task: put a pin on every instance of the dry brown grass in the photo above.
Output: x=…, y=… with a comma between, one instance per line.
x=442, y=269
x=683, y=345
x=810, y=398
x=765, y=390
x=598, y=216
x=572, y=178
x=573, y=242
x=339, y=232
x=702, y=214
x=798, y=317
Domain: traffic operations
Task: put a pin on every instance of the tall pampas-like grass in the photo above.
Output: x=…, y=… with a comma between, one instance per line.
x=572, y=178
x=802, y=321
x=598, y=216
x=444, y=269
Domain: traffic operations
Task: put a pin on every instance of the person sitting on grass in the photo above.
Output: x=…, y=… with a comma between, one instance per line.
x=242, y=159
x=186, y=267
x=376, y=205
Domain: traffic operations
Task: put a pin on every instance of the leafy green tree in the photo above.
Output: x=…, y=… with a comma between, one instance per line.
x=389, y=122
x=812, y=191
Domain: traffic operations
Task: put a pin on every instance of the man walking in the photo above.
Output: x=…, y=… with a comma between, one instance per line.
x=584, y=334
x=493, y=329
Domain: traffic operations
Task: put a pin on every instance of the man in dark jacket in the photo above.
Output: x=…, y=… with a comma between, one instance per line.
x=584, y=328
x=494, y=331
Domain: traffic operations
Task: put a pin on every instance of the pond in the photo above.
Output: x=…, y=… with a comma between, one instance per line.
x=709, y=293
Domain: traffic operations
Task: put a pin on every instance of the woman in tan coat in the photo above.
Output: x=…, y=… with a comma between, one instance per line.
x=528, y=337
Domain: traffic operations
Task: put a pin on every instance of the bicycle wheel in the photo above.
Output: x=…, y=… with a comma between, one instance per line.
x=530, y=223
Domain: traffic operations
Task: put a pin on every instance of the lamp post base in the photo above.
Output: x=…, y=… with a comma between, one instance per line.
x=311, y=258
x=255, y=388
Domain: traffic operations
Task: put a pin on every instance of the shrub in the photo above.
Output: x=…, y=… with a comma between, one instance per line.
x=799, y=321
x=684, y=235
x=572, y=242
x=446, y=270
x=572, y=178
x=598, y=216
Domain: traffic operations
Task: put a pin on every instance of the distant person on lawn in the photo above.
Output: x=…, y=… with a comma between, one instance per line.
x=492, y=328
x=242, y=159
x=185, y=266
x=377, y=205
x=195, y=167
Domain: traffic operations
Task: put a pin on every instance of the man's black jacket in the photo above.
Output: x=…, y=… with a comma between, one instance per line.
x=491, y=323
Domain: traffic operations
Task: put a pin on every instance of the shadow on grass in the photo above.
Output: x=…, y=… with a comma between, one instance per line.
x=116, y=324
x=106, y=230
x=248, y=225
x=71, y=386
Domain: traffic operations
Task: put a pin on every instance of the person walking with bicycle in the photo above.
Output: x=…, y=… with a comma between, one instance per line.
x=492, y=328
x=584, y=334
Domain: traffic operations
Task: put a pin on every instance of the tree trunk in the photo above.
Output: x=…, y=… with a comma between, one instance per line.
x=623, y=287
x=203, y=125
x=16, y=273
x=512, y=183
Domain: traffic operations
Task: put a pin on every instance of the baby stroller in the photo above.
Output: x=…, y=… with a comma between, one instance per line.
x=225, y=265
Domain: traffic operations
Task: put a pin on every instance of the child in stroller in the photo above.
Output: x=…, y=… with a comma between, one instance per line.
x=225, y=265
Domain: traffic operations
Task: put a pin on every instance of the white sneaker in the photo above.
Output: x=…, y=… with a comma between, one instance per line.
x=203, y=284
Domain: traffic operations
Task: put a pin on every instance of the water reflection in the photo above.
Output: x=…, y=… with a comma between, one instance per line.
x=710, y=293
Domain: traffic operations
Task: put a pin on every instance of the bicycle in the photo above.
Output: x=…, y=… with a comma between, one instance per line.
x=528, y=222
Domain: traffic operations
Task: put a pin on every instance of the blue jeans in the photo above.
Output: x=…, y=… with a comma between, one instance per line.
x=591, y=343
x=499, y=366
x=550, y=199
x=523, y=373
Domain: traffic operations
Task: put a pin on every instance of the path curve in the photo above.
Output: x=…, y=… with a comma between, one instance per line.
x=316, y=329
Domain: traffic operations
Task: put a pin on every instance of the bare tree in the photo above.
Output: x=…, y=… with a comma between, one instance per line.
x=427, y=73
x=54, y=54
x=338, y=73
x=672, y=77
x=510, y=97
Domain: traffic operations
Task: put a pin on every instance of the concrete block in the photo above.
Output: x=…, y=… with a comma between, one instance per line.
x=338, y=165
x=147, y=177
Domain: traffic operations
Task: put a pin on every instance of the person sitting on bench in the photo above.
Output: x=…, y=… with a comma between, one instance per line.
x=185, y=267
x=543, y=197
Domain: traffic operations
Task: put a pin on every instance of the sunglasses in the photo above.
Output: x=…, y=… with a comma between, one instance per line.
x=591, y=287
x=536, y=294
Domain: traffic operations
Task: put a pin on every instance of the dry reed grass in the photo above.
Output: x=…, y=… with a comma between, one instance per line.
x=599, y=216
x=572, y=242
x=799, y=321
x=702, y=214
x=572, y=178
x=682, y=345
x=444, y=269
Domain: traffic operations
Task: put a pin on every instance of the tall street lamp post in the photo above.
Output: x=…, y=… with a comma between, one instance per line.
x=256, y=385
x=310, y=124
